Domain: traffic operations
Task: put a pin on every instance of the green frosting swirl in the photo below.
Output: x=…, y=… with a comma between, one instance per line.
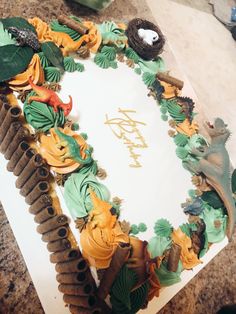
x=158, y=245
x=216, y=222
x=77, y=196
x=148, y=78
x=175, y=110
x=131, y=54
x=166, y=277
x=52, y=74
x=41, y=116
x=163, y=228
x=109, y=52
x=102, y=61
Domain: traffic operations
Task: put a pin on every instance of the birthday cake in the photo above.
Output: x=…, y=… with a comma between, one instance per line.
x=102, y=126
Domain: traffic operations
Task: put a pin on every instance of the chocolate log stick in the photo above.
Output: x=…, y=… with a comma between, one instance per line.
x=20, y=135
x=53, y=223
x=174, y=256
x=170, y=80
x=12, y=115
x=59, y=245
x=41, y=188
x=35, y=162
x=23, y=161
x=45, y=214
x=118, y=259
x=76, y=26
x=85, y=302
x=73, y=278
x=41, y=174
x=44, y=201
x=79, y=310
x=81, y=290
x=78, y=265
x=14, y=127
x=23, y=147
x=3, y=112
x=55, y=235
x=65, y=256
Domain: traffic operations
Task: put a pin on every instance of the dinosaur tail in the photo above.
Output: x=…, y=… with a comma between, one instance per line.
x=229, y=203
x=67, y=107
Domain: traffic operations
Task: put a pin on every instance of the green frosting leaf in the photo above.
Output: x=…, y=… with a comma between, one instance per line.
x=113, y=64
x=181, y=139
x=166, y=277
x=53, y=54
x=18, y=22
x=185, y=228
x=138, y=297
x=142, y=227
x=131, y=54
x=77, y=196
x=41, y=116
x=164, y=117
x=80, y=67
x=122, y=286
x=153, y=67
x=69, y=64
x=216, y=222
x=163, y=228
x=89, y=168
x=102, y=61
x=175, y=111
x=148, y=78
x=112, y=34
x=57, y=27
x=43, y=60
x=158, y=245
x=52, y=74
x=6, y=37
x=109, y=52
x=14, y=60
x=138, y=71
x=181, y=152
x=134, y=229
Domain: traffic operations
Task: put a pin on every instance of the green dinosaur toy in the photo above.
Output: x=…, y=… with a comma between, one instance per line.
x=73, y=148
x=215, y=165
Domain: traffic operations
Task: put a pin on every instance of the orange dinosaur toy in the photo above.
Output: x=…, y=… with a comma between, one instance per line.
x=49, y=97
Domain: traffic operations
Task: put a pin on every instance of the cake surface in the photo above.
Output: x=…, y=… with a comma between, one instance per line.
x=121, y=182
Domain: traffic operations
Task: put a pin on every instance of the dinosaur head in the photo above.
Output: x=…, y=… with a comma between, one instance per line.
x=218, y=130
x=68, y=107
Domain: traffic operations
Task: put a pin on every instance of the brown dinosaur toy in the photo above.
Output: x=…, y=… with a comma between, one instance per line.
x=50, y=98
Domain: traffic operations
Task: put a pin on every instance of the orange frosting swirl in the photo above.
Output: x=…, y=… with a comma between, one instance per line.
x=20, y=82
x=188, y=258
x=54, y=154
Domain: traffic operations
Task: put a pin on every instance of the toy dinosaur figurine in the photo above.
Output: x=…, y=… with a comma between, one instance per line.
x=74, y=148
x=49, y=97
x=215, y=165
x=25, y=37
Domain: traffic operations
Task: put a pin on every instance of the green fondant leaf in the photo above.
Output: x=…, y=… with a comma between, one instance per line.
x=5, y=37
x=212, y=199
x=122, y=286
x=163, y=228
x=52, y=74
x=233, y=181
x=53, y=54
x=14, y=60
x=148, y=78
x=109, y=52
x=181, y=139
x=18, y=22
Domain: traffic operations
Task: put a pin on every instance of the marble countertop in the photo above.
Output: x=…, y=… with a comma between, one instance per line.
x=214, y=286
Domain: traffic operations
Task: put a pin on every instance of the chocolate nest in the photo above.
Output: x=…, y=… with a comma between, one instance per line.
x=145, y=51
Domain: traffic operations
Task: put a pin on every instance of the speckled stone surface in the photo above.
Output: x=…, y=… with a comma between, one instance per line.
x=213, y=287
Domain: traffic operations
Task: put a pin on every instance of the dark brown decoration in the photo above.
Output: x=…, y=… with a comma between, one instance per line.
x=173, y=258
x=53, y=223
x=43, y=201
x=45, y=214
x=145, y=51
x=23, y=161
x=12, y=115
x=79, y=310
x=60, y=233
x=14, y=127
x=170, y=80
x=22, y=148
x=59, y=245
x=78, y=265
x=85, y=302
x=76, y=26
x=40, y=189
x=65, y=256
x=22, y=134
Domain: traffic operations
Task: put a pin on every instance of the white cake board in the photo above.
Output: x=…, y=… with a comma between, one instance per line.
x=153, y=191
